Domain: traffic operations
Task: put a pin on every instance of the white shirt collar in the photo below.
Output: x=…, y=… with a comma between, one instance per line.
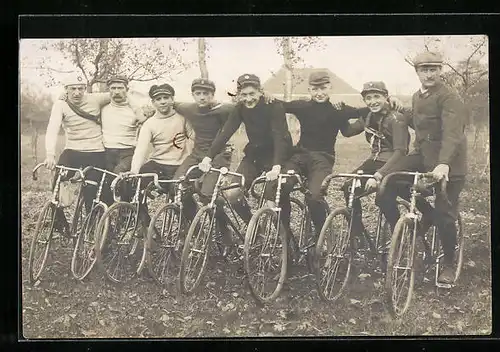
x=423, y=90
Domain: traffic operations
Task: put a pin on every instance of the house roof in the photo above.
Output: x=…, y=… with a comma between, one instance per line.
x=276, y=84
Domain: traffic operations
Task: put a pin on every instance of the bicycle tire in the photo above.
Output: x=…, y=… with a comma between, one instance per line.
x=250, y=237
x=204, y=245
x=34, y=274
x=127, y=244
x=403, y=230
x=166, y=243
x=459, y=255
x=88, y=235
x=79, y=217
x=343, y=244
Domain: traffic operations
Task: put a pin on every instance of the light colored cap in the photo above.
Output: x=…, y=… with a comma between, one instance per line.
x=74, y=79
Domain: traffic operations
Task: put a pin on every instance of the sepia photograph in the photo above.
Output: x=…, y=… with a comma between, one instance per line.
x=255, y=187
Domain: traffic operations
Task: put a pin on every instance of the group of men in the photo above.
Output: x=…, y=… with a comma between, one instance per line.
x=101, y=130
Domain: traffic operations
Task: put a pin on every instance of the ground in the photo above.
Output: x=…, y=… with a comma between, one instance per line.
x=60, y=307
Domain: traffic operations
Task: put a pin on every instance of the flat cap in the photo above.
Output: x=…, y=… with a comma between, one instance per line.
x=117, y=79
x=374, y=86
x=248, y=79
x=74, y=79
x=164, y=88
x=203, y=84
x=428, y=58
x=319, y=77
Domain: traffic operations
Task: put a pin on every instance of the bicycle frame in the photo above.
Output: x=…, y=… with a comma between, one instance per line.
x=415, y=192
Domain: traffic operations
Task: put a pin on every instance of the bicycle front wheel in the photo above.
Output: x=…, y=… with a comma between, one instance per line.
x=40, y=244
x=164, y=243
x=459, y=248
x=265, y=255
x=122, y=232
x=195, y=251
x=334, y=255
x=400, y=276
x=84, y=254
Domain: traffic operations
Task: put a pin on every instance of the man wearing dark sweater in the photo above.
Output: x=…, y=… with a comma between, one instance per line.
x=438, y=117
x=206, y=119
x=387, y=132
x=269, y=141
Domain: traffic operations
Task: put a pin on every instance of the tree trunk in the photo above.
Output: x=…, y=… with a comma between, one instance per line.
x=477, y=129
x=34, y=142
x=202, y=48
x=287, y=56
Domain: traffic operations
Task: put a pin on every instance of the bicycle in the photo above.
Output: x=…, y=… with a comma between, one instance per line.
x=265, y=237
x=122, y=231
x=84, y=255
x=166, y=232
x=49, y=220
x=201, y=234
x=338, y=246
x=404, y=243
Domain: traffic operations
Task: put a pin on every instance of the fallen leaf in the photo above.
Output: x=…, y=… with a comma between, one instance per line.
x=471, y=263
x=73, y=316
x=164, y=317
x=140, y=317
x=226, y=330
x=352, y=321
x=48, y=302
x=364, y=276
x=211, y=323
x=354, y=301
x=94, y=304
x=101, y=322
x=88, y=332
x=37, y=283
x=436, y=315
x=235, y=294
x=188, y=317
x=282, y=314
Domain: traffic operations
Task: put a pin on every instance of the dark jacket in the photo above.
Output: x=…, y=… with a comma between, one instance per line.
x=438, y=117
x=387, y=133
x=266, y=129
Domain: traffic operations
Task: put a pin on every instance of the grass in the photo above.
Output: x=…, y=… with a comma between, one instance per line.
x=61, y=307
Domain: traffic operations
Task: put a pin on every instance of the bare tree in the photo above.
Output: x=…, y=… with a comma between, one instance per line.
x=202, y=53
x=99, y=58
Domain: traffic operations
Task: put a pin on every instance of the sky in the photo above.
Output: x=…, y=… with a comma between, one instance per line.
x=354, y=59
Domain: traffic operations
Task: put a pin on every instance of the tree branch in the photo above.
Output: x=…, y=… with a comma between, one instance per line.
x=79, y=62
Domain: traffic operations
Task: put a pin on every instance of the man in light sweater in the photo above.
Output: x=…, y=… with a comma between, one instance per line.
x=79, y=117
x=120, y=124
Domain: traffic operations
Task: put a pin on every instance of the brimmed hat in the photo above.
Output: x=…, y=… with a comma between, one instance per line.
x=202, y=83
x=319, y=77
x=428, y=59
x=74, y=79
x=248, y=79
x=374, y=86
x=117, y=79
x=164, y=88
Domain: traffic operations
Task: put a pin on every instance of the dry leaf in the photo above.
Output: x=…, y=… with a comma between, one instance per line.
x=364, y=276
x=164, y=317
x=279, y=327
x=226, y=330
x=352, y=321
x=140, y=317
x=211, y=323
x=354, y=301
x=436, y=315
x=89, y=333
x=101, y=322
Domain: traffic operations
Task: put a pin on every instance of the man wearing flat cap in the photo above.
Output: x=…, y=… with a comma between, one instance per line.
x=386, y=130
x=79, y=116
x=320, y=121
x=438, y=117
x=269, y=141
x=206, y=117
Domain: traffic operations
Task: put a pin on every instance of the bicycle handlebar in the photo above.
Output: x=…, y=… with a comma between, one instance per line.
x=225, y=171
x=128, y=176
x=263, y=179
x=60, y=167
x=184, y=178
x=327, y=180
x=420, y=175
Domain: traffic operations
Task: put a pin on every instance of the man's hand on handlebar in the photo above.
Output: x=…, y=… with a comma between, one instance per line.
x=50, y=162
x=205, y=165
x=440, y=171
x=371, y=185
x=273, y=174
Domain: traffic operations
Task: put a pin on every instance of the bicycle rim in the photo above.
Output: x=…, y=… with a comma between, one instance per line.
x=164, y=245
x=40, y=245
x=400, y=272
x=334, y=255
x=265, y=255
x=120, y=254
x=459, y=248
x=195, y=251
x=84, y=254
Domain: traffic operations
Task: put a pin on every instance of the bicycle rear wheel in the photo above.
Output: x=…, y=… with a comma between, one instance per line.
x=164, y=243
x=122, y=232
x=265, y=255
x=40, y=244
x=400, y=276
x=334, y=255
x=195, y=251
x=84, y=254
